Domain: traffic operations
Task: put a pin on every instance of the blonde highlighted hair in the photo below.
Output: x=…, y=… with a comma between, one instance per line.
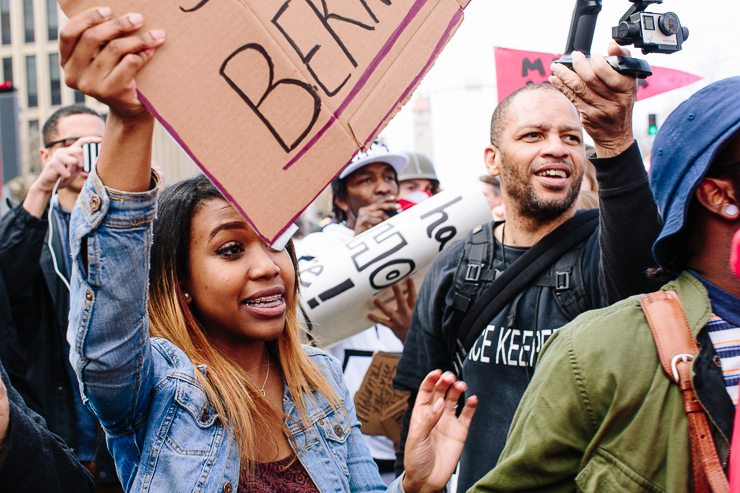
x=232, y=393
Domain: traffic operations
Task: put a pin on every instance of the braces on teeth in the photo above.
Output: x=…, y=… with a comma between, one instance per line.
x=266, y=301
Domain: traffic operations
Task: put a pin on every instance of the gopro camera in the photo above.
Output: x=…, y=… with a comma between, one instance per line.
x=653, y=33
x=90, y=153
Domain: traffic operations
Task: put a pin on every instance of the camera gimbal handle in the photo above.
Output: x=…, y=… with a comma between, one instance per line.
x=581, y=35
x=582, y=27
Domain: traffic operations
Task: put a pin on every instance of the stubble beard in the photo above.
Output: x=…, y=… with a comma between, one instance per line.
x=528, y=203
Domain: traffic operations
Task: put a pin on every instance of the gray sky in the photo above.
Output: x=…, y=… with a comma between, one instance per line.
x=461, y=115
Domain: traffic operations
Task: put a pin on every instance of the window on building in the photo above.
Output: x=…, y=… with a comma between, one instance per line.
x=54, y=79
x=52, y=19
x=28, y=20
x=5, y=20
x=31, y=86
x=8, y=70
x=79, y=97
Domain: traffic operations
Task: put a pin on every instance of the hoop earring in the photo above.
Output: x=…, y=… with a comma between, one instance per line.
x=732, y=210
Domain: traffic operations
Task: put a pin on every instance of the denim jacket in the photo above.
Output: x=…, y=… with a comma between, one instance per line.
x=161, y=430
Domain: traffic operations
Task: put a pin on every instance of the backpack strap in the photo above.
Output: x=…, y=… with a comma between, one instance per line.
x=566, y=280
x=472, y=274
x=677, y=348
x=474, y=266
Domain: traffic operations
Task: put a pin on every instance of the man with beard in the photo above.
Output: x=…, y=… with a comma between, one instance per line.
x=538, y=153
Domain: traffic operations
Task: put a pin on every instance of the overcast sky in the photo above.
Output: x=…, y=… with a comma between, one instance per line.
x=462, y=84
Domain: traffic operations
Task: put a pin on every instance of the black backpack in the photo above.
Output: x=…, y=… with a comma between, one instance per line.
x=481, y=292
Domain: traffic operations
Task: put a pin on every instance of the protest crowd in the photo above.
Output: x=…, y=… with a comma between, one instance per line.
x=586, y=337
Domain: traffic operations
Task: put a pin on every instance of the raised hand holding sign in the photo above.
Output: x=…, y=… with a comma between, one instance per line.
x=272, y=99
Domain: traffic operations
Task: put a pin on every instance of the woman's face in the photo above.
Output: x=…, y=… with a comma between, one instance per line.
x=240, y=288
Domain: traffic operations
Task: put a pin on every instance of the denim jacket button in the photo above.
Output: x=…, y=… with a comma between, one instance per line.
x=88, y=296
x=321, y=421
x=95, y=203
x=338, y=430
x=228, y=488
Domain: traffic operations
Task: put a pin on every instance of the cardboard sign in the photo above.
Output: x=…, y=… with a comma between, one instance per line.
x=273, y=99
x=339, y=285
x=516, y=68
x=378, y=405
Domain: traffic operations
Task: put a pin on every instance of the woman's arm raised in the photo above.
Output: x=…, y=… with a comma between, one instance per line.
x=100, y=58
x=110, y=228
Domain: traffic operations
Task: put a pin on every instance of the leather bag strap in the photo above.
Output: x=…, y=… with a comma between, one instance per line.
x=677, y=348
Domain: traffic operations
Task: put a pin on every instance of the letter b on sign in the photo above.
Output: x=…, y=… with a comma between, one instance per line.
x=289, y=108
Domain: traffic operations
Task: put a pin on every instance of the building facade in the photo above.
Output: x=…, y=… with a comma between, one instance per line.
x=29, y=56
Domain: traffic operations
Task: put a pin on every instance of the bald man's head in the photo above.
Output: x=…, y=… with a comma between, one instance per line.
x=501, y=113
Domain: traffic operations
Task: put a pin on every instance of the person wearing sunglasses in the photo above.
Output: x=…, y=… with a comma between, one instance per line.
x=35, y=264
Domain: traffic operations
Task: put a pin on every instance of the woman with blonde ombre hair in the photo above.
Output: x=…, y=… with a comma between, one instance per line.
x=184, y=332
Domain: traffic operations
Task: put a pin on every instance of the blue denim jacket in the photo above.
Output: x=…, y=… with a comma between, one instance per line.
x=160, y=428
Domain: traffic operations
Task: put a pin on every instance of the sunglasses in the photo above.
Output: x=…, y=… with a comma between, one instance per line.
x=65, y=142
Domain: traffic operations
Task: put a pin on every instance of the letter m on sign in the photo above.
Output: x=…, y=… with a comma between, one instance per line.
x=527, y=66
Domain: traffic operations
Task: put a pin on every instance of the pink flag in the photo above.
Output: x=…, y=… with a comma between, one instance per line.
x=516, y=68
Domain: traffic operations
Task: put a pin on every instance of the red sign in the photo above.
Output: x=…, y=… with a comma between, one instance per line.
x=516, y=68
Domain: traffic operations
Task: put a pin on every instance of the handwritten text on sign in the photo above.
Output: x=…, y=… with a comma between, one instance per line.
x=272, y=99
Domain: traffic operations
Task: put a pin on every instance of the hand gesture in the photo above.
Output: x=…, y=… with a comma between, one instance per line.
x=100, y=58
x=397, y=320
x=603, y=96
x=4, y=419
x=64, y=163
x=374, y=214
x=436, y=435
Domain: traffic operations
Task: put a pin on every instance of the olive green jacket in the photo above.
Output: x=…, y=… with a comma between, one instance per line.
x=600, y=414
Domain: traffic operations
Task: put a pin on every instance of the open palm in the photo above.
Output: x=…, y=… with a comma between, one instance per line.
x=436, y=434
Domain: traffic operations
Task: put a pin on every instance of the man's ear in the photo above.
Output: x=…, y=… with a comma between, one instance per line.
x=492, y=160
x=44, y=154
x=716, y=194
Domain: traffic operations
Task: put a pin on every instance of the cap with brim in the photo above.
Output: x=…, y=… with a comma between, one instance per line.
x=376, y=153
x=684, y=149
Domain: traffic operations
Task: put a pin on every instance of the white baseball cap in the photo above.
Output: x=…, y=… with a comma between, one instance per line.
x=376, y=153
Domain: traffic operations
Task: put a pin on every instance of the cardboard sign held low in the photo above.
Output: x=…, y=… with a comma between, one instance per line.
x=339, y=286
x=273, y=99
x=379, y=406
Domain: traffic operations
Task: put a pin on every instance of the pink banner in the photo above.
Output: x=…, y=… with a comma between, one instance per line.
x=516, y=68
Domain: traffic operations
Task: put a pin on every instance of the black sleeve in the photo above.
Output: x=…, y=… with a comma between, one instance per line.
x=21, y=241
x=405, y=423
x=11, y=357
x=425, y=349
x=629, y=225
x=36, y=459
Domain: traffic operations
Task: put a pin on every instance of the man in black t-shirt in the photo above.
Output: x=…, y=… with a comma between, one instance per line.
x=537, y=151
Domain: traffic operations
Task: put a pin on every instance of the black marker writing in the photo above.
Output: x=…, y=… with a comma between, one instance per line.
x=369, y=11
x=289, y=93
x=321, y=54
x=202, y=3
